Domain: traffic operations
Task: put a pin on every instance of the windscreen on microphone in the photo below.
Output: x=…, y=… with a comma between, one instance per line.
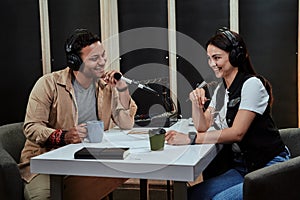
x=117, y=76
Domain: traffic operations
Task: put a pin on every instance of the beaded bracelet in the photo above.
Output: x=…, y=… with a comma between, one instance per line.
x=57, y=138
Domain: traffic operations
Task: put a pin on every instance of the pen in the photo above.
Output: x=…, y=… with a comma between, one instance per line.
x=201, y=85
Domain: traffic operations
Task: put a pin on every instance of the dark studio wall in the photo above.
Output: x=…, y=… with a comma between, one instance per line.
x=197, y=20
x=144, y=63
x=22, y=41
x=269, y=28
x=20, y=56
x=66, y=16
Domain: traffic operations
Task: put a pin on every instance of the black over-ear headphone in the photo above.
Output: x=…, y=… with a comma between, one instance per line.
x=237, y=54
x=73, y=59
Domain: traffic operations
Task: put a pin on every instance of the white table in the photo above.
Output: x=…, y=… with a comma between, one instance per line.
x=177, y=163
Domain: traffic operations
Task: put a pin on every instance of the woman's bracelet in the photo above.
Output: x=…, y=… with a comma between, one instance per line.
x=122, y=89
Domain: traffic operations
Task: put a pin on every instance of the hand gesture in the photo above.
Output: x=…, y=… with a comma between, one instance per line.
x=198, y=97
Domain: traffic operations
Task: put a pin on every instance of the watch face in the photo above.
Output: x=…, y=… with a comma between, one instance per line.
x=192, y=136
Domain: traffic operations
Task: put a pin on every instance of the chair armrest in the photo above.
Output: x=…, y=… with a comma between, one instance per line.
x=278, y=181
x=11, y=184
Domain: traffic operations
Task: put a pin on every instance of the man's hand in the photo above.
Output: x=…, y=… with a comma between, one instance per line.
x=76, y=134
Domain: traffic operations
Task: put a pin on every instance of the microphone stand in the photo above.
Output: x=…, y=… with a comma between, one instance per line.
x=171, y=115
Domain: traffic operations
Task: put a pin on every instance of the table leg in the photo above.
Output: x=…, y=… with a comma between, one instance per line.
x=180, y=190
x=168, y=190
x=144, y=189
x=56, y=187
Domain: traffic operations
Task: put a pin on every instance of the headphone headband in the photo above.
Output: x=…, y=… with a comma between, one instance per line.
x=73, y=59
x=73, y=38
x=237, y=54
x=228, y=34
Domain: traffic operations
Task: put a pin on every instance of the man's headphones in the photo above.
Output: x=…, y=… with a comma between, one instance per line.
x=237, y=55
x=73, y=59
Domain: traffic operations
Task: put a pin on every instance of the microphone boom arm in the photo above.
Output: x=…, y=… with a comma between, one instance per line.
x=118, y=76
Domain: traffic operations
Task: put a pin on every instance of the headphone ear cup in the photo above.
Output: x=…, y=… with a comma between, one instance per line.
x=233, y=58
x=237, y=56
x=74, y=61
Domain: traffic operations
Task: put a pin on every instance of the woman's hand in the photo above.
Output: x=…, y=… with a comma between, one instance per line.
x=198, y=97
x=176, y=138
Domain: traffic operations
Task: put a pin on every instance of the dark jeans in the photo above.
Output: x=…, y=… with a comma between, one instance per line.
x=228, y=185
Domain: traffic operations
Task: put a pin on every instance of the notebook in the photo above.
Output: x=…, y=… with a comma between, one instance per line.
x=102, y=153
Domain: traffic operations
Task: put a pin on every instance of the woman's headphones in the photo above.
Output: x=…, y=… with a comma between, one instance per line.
x=237, y=55
x=73, y=59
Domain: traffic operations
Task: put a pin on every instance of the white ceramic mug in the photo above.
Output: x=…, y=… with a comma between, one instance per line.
x=95, y=131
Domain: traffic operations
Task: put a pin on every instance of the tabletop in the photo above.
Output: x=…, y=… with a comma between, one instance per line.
x=179, y=163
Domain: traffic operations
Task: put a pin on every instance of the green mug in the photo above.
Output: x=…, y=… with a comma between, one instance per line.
x=157, y=139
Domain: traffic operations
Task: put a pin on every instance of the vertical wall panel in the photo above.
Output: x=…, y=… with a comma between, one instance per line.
x=270, y=30
x=197, y=20
x=141, y=58
x=21, y=56
x=66, y=16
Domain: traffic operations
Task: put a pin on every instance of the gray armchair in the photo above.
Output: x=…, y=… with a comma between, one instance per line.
x=279, y=181
x=12, y=141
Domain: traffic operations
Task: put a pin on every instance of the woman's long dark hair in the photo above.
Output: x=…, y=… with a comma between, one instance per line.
x=221, y=41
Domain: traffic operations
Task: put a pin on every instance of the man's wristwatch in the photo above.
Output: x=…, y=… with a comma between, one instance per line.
x=192, y=136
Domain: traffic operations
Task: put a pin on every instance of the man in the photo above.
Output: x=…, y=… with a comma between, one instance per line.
x=59, y=106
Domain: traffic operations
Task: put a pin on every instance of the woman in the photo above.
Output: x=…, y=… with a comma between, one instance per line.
x=247, y=124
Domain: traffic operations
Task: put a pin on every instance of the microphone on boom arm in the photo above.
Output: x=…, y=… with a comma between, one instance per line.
x=119, y=76
x=165, y=119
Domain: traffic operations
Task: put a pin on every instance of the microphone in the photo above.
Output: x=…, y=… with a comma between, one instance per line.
x=119, y=76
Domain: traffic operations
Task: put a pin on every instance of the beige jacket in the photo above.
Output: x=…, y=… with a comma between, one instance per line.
x=52, y=105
